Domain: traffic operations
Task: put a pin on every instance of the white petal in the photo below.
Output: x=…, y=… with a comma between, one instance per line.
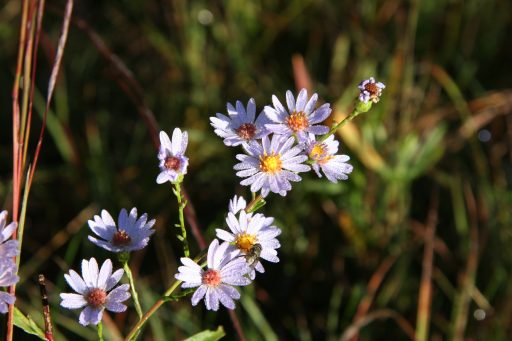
x=105, y=273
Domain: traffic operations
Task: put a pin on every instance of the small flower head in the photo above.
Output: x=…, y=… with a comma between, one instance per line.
x=370, y=90
x=300, y=118
x=322, y=154
x=241, y=125
x=236, y=204
x=271, y=165
x=248, y=231
x=8, y=277
x=173, y=162
x=95, y=291
x=215, y=283
x=8, y=248
x=129, y=234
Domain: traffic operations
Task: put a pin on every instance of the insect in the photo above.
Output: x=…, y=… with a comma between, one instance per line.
x=253, y=255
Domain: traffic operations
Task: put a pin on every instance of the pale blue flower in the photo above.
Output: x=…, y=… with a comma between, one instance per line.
x=370, y=90
x=129, y=234
x=8, y=277
x=241, y=125
x=300, y=118
x=215, y=283
x=8, y=248
x=246, y=231
x=271, y=165
x=173, y=162
x=322, y=155
x=95, y=291
x=236, y=204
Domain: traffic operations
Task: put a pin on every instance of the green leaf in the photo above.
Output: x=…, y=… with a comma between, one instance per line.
x=208, y=335
x=27, y=324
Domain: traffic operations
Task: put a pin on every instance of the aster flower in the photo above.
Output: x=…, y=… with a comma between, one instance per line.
x=322, y=154
x=300, y=118
x=271, y=165
x=249, y=230
x=370, y=90
x=95, y=291
x=215, y=283
x=8, y=277
x=8, y=248
x=236, y=204
x=241, y=126
x=129, y=235
x=173, y=161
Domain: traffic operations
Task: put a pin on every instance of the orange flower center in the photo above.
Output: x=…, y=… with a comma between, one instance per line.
x=121, y=238
x=372, y=88
x=297, y=121
x=211, y=277
x=172, y=162
x=246, y=131
x=96, y=297
x=271, y=163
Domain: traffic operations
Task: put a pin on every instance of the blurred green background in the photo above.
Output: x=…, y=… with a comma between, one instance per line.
x=436, y=151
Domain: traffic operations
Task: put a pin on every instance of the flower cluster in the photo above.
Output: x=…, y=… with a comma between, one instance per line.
x=95, y=288
x=279, y=143
x=251, y=238
x=282, y=142
x=8, y=268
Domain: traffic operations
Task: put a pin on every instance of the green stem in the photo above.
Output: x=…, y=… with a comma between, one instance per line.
x=347, y=119
x=253, y=203
x=100, y=331
x=136, y=329
x=181, y=208
x=135, y=296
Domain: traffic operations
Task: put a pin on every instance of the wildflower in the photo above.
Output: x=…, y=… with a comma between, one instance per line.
x=8, y=248
x=236, y=204
x=241, y=126
x=95, y=291
x=215, y=283
x=322, y=154
x=173, y=162
x=8, y=277
x=370, y=90
x=300, y=118
x=249, y=230
x=271, y=166
x=130, y=234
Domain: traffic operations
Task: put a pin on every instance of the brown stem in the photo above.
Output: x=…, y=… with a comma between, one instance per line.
x=236, y=325
x=425, y=294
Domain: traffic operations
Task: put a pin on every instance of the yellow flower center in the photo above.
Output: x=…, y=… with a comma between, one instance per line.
x=317, y=152
x=297, y=121
x=245, y=242
x=271, y=163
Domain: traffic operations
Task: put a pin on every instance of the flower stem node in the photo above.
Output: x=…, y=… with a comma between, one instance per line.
x=123, y=257
x=362, y=107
